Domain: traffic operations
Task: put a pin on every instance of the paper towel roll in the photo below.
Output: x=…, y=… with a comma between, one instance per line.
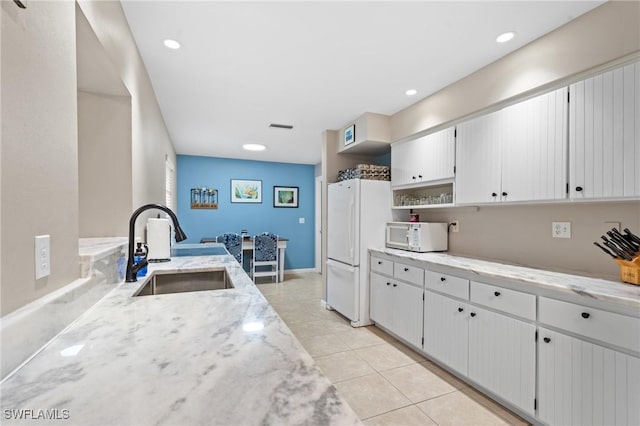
x=159, y=239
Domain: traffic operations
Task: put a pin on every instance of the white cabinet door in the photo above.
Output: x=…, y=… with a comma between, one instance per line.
x=580, y=383
x=380, y=304
x=425, y=159
x=604, y=135
x=478, y=159
x=534, y=148
x=398, y=307
x=408, y=307
x=502, y=356
x=446, y=330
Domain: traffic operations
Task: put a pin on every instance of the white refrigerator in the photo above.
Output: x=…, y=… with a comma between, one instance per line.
x=357, y=213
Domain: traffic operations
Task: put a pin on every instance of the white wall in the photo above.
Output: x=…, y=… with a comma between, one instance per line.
x=39, y=175
x=39, y=148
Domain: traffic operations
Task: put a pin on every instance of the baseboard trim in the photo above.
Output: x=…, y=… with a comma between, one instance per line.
x=297, y=271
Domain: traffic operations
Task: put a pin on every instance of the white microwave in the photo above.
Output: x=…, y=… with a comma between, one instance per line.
x=417, y=236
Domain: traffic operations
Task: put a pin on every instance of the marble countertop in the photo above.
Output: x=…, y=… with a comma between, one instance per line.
x=210, y=357
x=610, y=291
x=95, y=248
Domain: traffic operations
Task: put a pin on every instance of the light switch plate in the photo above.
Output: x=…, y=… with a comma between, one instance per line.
x=301, y=220
x=561, y=229
x=42, y=256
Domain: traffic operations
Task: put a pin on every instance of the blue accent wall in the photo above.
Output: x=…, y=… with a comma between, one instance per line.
x=195, y=171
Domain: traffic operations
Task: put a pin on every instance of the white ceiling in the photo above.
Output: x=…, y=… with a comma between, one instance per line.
x=314, y=65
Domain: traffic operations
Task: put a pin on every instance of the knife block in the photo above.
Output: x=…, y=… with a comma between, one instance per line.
x=630, y=270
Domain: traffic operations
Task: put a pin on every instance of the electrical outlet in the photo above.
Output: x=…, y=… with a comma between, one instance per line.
x=561, y=229
x=455, y=226
x=43, y=256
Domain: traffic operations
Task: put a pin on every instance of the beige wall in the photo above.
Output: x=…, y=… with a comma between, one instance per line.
x=39, y=175
x=522, y=234
x=600, y=36
x=150, y=139
x=104, y=166
x=39, y=148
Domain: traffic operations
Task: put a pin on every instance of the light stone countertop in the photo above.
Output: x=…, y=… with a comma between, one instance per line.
x=615, y=292
x=221, y=357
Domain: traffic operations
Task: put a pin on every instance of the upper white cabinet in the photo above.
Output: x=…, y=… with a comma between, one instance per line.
x=426, y=159
x=604, y=135
x=515, y=154
x=478, y=159
x=534, y=148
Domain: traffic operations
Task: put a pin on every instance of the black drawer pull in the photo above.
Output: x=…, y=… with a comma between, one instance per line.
x=395, y=285
x=579, y=188
x=473, y=314
x=413, y=177
x=493, y=194
x=406, y=269
x=504, y=194
x=546, y=340
x=460, y=309
x=379, y=262
x=443, y=279
x=420, y=176
x=496, y=293
x=388, y=283
x=585, y=315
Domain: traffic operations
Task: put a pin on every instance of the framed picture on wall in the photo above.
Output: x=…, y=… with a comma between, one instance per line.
x=285, y=196
x=246, y=191
x=350, y=134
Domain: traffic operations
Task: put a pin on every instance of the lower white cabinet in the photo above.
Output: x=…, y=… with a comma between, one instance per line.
x=582, y=383
x=502, y=356
x=397, y=307
x=446, y=329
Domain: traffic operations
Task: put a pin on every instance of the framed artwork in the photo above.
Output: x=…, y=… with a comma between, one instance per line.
x=246, y=191
x=350, y=134
x=285, y=196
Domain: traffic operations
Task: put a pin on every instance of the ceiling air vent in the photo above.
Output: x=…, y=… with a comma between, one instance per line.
x=281, y=126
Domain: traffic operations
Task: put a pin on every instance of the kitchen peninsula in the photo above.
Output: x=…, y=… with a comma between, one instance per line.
x=208, y=357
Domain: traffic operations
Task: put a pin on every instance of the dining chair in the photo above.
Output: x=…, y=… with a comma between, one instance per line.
x=233, y=244
x=265, y=254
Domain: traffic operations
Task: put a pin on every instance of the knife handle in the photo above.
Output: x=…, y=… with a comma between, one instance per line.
x=605, y=250
x=631, y=235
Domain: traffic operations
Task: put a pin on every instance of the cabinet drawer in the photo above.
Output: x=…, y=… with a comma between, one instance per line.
x=448, y=284
x=505, y=300
x=616, y=329
x=408, y=273
x=382, y=266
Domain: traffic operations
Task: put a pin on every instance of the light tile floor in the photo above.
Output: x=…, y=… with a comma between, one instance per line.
x=384, y=381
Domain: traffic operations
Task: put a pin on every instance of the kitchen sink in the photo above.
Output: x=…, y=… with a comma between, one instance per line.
x=185, y=282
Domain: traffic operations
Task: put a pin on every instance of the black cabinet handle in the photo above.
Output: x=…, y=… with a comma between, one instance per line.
x=460, y=309
x=579, y=188
x=388, y=283
x=496, y=293
x=585, y=315
x=443, y=279
x=493, y=194
x=413, y=177
x=504, y=194
x=406, y=269
x=546, y=340
x=379, y=262
x=420, y=176
x=395, y=285
x=473, y=314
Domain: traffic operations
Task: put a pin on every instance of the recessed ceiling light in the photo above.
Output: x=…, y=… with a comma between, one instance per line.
x=172, y=44
x=505, y=37
x=411, y=92
x=254, y=147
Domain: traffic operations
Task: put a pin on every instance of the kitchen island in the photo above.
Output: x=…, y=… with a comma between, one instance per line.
x=208, y=357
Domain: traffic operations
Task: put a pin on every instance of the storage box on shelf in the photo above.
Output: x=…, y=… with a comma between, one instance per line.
x=365, y=171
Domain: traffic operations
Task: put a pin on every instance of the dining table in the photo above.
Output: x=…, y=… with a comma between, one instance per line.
x=247, y=246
